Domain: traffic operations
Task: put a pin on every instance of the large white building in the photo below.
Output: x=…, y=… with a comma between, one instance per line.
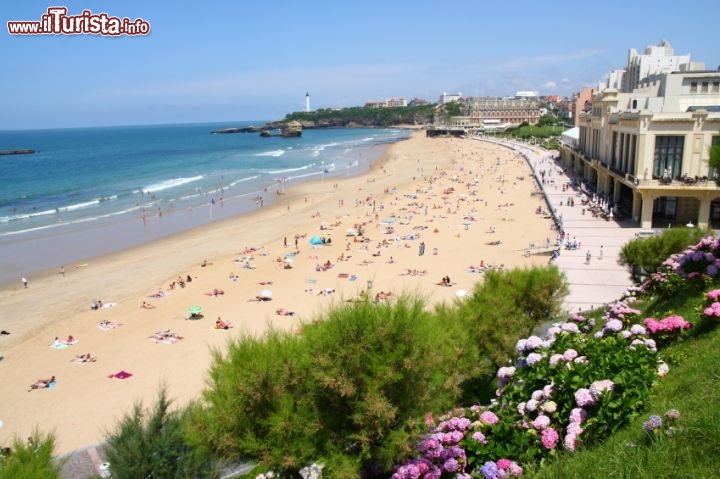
x=647, y=150
x=656, y=60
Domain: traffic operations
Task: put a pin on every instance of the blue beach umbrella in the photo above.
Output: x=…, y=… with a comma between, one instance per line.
x=316, y=240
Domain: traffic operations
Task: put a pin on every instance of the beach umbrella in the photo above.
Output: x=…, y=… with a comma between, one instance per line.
x=315, y=240
x=351, y=232
x=195, y=309
x=461, y=293
x=266, y=293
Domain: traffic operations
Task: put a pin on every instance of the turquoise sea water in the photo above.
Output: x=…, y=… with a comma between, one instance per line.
x=84, y=179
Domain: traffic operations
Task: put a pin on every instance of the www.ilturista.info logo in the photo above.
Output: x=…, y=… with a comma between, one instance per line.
x=57, y=22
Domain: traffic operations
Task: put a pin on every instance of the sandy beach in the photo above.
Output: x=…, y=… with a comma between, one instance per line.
x=470, y=204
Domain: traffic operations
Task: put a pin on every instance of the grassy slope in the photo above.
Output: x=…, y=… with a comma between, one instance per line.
x=693, y=388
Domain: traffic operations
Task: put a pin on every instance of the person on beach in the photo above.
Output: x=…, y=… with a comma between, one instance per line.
x=421, y=248
x=24, y=281
x=588, y=256
x=42, y=383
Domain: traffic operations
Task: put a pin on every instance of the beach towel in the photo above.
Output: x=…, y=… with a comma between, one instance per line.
x=353, y=278
x=343, y=275
x=108, y=327
x=108, y=305
x=58, y=345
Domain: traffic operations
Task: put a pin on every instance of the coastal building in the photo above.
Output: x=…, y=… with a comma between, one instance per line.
x=395, y=102
x=496, y=112
x=532, y=95
x=647, y=150
x=389, y=103
x=655, y=60
x=581, y=102
x=448, y=97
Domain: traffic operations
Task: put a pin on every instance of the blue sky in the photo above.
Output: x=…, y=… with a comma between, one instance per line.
x=249, y=60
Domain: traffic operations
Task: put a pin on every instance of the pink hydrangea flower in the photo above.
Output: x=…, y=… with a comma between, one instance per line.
x=489, y=417
x=714, y=294
x=479, y=437
x=549, y=438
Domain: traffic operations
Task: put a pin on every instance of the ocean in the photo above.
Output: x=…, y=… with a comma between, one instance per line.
x=66, y=201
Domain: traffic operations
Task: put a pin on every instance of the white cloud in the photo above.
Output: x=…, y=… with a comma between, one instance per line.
x=549, y=85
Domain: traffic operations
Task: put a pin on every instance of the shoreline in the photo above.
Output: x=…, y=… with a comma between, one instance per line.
x=448, y=193
x=84, y=242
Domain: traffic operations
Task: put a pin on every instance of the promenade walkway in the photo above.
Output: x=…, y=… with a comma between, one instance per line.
x=602, y=280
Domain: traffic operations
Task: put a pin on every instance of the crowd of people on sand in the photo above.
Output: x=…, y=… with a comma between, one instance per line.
x=180, y=281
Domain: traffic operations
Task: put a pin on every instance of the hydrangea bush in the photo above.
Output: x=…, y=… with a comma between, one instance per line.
x=700, y=262
x=566, y=389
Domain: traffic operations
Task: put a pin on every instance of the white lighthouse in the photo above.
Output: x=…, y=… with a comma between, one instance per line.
x=307, y=101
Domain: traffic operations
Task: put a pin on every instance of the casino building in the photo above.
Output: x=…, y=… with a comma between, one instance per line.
x=645, y=146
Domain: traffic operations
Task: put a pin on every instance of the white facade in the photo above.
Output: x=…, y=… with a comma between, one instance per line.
x=647, y=150
x=656, y=60
x=448, y=97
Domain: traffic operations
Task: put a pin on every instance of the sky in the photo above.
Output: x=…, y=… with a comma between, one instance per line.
x=229, y=60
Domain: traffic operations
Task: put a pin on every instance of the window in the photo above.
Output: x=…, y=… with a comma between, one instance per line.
x=716, y=87
x=705, y=87
x=693, y=87
x=668, y=156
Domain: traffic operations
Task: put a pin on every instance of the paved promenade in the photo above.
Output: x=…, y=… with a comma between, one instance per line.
x=603, y=280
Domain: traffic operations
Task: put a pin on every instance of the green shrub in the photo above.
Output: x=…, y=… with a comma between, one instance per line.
x=648, y=254
x=345, y=391
x=152, y=444
x=351, y=391
x=508, y=305
x=30, y=460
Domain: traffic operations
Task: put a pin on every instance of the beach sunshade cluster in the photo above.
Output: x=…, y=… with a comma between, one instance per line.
x=316, y=240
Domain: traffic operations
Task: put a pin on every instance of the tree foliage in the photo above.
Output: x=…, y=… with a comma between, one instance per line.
x=30, y=460
x=151, y=443
x=365, y=116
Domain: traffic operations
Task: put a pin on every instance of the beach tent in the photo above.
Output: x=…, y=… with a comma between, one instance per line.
x=265, y=294
x=315, y=240
x=352, y=232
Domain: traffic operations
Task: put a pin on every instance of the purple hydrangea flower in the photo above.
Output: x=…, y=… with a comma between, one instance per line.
x=533, y=358
x=541, y=422
x=583, y=397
